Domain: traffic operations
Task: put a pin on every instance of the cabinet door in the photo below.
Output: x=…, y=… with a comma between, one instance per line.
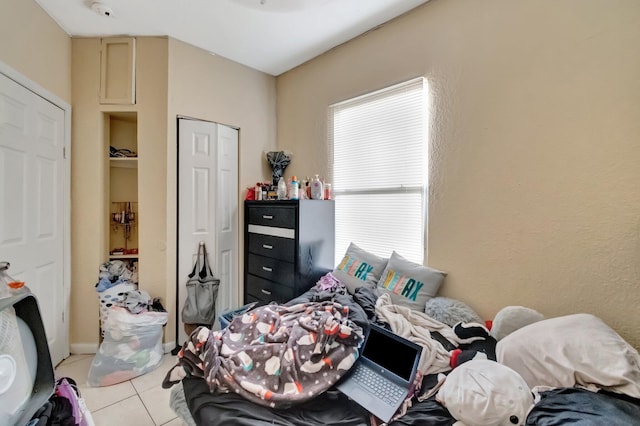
x=117, y=71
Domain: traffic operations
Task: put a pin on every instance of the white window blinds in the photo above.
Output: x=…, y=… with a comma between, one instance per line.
x=379, y=144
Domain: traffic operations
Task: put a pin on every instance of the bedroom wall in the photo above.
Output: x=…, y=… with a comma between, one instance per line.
x=24, y=29
x=210, y=87
x=534, y=192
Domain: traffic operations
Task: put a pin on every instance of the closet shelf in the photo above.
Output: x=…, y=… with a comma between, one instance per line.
x=125, y=162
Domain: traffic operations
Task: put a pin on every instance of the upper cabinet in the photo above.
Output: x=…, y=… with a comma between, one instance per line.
x=118, y=71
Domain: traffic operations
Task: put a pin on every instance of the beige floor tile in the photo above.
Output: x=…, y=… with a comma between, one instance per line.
x=154, y=378
x=129, y=412
x=157, y=402
x=100, y=397
x=75, y=367
x=175, y=422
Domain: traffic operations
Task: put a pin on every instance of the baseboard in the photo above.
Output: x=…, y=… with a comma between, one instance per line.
x=83, y=348
x=168, y=347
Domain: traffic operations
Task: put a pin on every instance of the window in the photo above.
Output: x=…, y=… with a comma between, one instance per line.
x=380, y=170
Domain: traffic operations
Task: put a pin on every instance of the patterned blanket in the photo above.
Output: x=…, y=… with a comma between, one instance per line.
x=274, y=355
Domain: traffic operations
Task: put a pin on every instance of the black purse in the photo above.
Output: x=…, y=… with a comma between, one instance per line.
x=202, y=291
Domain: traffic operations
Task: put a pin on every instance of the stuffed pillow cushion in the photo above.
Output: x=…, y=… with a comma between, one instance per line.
x=573, y=350
x=451, y=311
x=359, y=268
x=512, y=318
x=408, y=283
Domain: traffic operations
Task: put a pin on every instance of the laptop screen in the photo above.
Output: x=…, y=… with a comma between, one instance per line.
x=390, y=353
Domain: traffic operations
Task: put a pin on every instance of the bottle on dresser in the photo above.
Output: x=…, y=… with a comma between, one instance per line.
x=282, y=189
x=317, y=193
x=293, y=188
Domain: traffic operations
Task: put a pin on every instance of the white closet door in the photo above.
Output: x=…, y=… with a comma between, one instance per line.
x=32, y=202
x=208, y=207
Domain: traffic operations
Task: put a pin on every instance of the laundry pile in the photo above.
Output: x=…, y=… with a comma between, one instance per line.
x=131, y=324
x=64, y=408
x=115, y=280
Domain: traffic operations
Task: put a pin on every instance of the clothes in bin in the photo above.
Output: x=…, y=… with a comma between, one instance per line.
x=132, y=346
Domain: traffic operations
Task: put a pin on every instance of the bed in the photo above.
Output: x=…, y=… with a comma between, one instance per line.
x=581, y=385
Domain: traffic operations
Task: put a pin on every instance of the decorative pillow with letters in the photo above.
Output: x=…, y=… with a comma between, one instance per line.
x=408, y=283
x=359, y=268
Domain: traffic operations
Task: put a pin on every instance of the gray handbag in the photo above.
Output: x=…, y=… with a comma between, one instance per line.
x=202, y=291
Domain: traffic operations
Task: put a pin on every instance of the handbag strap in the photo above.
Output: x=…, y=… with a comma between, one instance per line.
x=196, y=265
x=206, y=268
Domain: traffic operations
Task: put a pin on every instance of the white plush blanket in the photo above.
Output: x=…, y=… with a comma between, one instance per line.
x=417, y=327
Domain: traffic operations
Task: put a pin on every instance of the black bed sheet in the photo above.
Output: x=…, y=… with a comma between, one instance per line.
x=330, y=408
x=580, y=407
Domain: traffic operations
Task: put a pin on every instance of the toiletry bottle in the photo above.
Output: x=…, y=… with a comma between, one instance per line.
x=282, y=189
x=293, y=188
x=307, y=187
x=316, y=188
x=327, y=191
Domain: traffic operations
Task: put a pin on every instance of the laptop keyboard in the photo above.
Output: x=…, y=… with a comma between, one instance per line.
x=378, y=385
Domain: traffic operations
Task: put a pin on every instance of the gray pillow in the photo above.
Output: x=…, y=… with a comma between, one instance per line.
x=359, y=268
x=408, y=283
x=512, y=318
x=450, y=311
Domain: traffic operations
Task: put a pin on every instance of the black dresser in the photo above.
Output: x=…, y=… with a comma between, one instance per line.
x=289, y=245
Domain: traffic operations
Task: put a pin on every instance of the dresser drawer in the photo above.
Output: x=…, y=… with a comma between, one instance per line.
x=250, y=299
x=276, y=216
x=273, y=247
x=267, y=291
x=272, y=269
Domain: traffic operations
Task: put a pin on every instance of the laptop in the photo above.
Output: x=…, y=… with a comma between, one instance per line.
x=381, y=377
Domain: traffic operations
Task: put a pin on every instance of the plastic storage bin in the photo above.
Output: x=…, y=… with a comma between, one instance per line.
x=226, y=317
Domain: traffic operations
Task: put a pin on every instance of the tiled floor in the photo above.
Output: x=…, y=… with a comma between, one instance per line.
x=139, y=402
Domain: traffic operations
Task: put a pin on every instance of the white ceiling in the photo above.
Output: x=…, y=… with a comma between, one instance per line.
x=272, y=36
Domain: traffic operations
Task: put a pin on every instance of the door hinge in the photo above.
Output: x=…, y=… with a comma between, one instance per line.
x=63, y=317
x=64, y=152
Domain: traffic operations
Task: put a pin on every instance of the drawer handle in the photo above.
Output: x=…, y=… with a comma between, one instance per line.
x=265, y=268
x=267, y=246
x=267, y=292
x=269, y=217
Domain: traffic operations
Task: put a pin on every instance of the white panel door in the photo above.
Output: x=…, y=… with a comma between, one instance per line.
x=32, y=202
x=208, y=207
x=227, y=217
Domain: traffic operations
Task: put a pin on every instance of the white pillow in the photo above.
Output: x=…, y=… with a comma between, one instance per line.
x=408, y=283
x=572, y=350
x=486, y=393
x=359, y=268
